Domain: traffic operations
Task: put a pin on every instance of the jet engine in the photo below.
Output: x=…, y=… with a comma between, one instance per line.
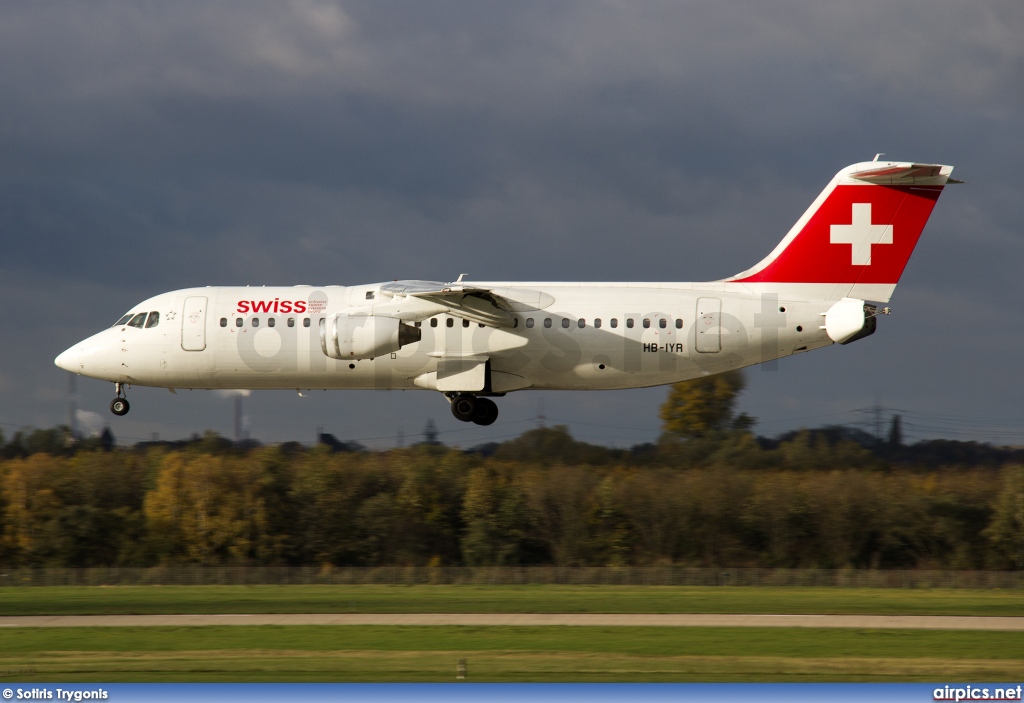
x=344, y=336
x=849, y=320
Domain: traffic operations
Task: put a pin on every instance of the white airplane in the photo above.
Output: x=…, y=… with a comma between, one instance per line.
x=475, y=341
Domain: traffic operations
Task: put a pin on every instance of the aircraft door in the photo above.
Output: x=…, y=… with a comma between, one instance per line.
x=708, y=323
x=193, y=324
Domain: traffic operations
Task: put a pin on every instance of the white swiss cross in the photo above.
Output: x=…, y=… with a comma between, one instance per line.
x=861, y=234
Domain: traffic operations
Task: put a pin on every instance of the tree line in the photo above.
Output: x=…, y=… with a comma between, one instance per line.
x=709, y=493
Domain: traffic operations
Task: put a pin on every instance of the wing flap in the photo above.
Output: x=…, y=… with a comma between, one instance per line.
x=463, y=375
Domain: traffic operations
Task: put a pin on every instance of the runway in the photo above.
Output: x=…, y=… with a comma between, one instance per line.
x=870, y=622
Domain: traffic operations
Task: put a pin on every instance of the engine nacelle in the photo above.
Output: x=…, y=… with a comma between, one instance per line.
x=849, y=320
x=344, y=336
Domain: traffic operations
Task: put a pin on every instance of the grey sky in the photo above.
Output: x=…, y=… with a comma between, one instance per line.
x=151, y=146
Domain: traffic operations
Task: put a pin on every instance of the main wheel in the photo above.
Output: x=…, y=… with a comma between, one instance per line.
x=486, y=412
x=120, y=406
x=464, y=407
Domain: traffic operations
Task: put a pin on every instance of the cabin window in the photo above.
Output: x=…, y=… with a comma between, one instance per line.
x=465, y=323
x=433, y=322
x=271, y=321
x=581, y=323
x=565, y=322
x=614, y=322
x=679, y=324
x=663, y=323
x=369, y=295
x=647, y=323
x=450, y=322
x=291, y=321
x=529, y=322
x=515, y=322
x=238, y=322
x=418, y=323
x=138, y=321
x=305, y=322
x=547, y=322
x=153, y=320
x=255, y=322
x=630, y=322
x=123, y=320
x=597, y=322
x=223, y=322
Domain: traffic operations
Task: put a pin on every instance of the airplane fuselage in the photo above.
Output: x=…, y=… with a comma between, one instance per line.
x=586, y=336
x=472, y=340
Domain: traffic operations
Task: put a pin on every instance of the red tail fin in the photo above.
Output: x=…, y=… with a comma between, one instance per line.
x=859, y=233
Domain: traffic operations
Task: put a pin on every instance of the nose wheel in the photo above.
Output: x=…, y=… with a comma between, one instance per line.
x=119, y=405
x=471, y=408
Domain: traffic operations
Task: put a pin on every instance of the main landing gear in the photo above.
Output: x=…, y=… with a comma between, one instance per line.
x=472, y=408
x=119, y=405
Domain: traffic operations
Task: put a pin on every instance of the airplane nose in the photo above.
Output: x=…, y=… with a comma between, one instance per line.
x=69, y=360
x=90, y=357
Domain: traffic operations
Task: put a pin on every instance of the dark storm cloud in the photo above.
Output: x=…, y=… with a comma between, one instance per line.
x=151, y=146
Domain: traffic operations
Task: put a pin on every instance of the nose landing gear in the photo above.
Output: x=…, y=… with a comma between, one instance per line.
x=471, y=408
x=119, y=405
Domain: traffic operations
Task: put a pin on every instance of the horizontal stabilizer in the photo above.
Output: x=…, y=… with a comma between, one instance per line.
x=906, y=174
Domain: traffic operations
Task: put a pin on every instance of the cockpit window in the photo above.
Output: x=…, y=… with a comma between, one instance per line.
x=138, y=321
x=123, y=320
x=154, y=319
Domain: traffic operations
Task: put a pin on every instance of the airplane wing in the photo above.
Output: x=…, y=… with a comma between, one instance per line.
x=472, y=303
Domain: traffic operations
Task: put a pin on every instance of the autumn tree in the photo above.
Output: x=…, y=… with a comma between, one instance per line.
x=433, y=485
x=1006, y=531
x=813, y=498
x=703, y=406
x=82, y=511
x=822, y=449
x=552, y=445
x=563, y=507
x=653, y=504
x=496, y=518
x=30, y=514
x=210, y=510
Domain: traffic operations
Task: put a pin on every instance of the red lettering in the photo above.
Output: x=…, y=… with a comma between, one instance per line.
x=275, y=305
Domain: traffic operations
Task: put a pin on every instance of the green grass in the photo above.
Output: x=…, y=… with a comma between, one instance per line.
x=78, y=600
x=378, y=653
x=358, y=653
x=660, y=641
